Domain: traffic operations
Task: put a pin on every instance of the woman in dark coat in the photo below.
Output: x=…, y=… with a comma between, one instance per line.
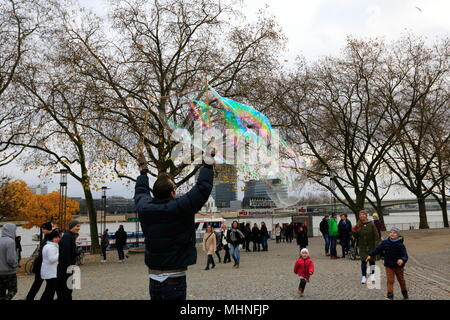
x=264, y=236
x=302, y=237
x=345, y=233
x=367, y=241
x=256, y=237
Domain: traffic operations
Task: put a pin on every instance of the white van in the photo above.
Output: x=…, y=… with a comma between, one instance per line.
x=202, y=223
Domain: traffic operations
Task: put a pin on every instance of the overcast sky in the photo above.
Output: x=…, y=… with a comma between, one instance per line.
x=315, y=28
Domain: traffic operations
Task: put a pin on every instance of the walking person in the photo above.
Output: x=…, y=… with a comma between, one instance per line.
x=324, y=230
x=367, y=241
x=235, y=238
x=290, y=232
x=223, y=237
x=302, y=237
x=256, y=238
x=18, y=250
x=67, y=258
x=345, y=233
x=168, y=224
x=46, y=229
x=333, y=233
x=104, y=243
x=8, y=262
x=121, y=241
x=219, y=245
x=304, y=268
x=264, y=236
x=209, y=246
x=277, y=231
x=395, y=258
x=49, y=268
x=248, y=236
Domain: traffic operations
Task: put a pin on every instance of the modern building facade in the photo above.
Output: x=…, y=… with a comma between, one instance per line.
x=225, y=185
x=264, y=193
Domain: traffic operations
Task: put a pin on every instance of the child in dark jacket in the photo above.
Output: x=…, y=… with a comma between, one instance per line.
x=304, y=268
x=395, y=257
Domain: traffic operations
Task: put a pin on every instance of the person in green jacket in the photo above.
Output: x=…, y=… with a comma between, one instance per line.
x=333, y=234
x=368, y=239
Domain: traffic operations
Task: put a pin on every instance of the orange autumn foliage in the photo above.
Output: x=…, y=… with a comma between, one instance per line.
x=45, y=207
x=14, y=199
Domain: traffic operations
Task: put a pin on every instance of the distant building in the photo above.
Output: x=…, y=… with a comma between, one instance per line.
x=264, y=193
x=225, y=185
x=39, y=189
x=210, y=206
x=114, y=205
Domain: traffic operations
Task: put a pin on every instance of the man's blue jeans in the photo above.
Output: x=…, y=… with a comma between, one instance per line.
x=169, y=289
x=327, y=243
x=333, y=243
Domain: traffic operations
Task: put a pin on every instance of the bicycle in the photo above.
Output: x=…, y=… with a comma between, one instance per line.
x=30, y=263
x=80, y=256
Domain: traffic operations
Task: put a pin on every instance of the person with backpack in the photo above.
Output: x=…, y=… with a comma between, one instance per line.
x=104, y=243
x=121, y=241
x=210, y=246
x=395, y=258
x=46, y=229
x=235, y=238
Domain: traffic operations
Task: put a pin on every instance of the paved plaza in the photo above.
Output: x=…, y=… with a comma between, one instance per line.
x=269, y=275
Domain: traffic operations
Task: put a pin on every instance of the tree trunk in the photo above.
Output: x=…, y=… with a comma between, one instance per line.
x=423, y=224
x=95, y=246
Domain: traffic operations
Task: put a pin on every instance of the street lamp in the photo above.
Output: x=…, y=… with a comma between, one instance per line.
x=62, y=215
x=333, y=188
x=104, y=188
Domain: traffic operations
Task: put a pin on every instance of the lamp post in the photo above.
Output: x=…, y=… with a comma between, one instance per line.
x=103, y=222
x=62, y=215
x=333, y=188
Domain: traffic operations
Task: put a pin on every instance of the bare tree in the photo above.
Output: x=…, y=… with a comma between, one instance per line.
x=16, y=26
x=417, y=149
x=338, y=112
x=162, y=55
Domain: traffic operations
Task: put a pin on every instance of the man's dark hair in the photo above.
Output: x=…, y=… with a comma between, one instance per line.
x=163, y=186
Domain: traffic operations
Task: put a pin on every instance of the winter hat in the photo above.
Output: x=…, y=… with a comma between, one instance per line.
x=47, y=226
x=396, y=230
x=73, y=223
x=304, y=250
x=375, y=215
x=54, y=234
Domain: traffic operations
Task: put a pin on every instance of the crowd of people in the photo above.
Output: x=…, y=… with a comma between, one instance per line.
x=57, y=253
x=170, y=243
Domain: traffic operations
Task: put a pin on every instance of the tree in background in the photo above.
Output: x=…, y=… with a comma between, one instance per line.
x=15, y=199
x=45, y=207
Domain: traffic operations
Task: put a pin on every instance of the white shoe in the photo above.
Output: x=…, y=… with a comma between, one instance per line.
x=363, y=280
x=372, y=278
x=103, y=261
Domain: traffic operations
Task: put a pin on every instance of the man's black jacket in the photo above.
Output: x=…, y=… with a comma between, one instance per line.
x=169, y=224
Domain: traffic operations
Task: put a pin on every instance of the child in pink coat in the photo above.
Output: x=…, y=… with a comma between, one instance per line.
x=304, y=268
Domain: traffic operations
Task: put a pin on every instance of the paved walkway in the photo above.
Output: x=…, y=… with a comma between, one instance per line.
x=269, y=275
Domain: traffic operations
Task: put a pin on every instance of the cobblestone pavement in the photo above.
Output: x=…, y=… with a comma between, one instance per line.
x=262, y=275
